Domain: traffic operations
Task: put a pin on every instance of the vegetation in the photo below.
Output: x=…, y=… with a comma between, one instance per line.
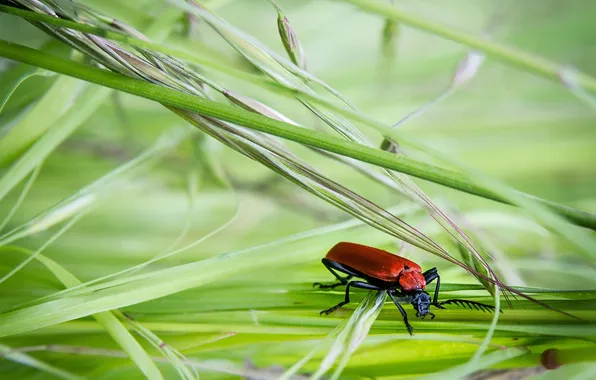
x=172, y=172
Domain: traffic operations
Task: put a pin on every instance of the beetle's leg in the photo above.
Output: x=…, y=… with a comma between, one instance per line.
x=431, y=275
x=402, y=311
x=355, y=284
x=332, y=266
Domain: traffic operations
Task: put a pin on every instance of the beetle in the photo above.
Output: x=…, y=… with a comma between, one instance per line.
x=401, y=278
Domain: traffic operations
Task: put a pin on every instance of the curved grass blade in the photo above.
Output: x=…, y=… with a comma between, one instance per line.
x=17, y=356
x=22, y=196
x=89, y=195
x=487, y=361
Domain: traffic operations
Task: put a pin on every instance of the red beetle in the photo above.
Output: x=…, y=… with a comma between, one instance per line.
x=401, y=278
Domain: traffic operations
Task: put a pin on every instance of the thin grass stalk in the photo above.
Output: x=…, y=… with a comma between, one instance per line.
x=172, y=355
x=164, y=254
x=219, y=367
x=15, y=86
x=22, y=196
x=506, y=54
x=21, y=357
x=47, y=143
x=47, y=243
x=36, y=122
x=568, y=76
x=364, y=317
x=77, y=289
x=90, y=194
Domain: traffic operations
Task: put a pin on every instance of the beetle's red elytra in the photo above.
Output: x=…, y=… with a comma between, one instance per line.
x=379, y=264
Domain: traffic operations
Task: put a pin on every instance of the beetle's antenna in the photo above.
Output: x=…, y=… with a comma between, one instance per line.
x=469, y=304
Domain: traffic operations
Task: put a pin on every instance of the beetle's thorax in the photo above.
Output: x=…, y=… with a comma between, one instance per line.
x=411, y=280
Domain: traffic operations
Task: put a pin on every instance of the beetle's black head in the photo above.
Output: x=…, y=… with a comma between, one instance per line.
x=421, y=303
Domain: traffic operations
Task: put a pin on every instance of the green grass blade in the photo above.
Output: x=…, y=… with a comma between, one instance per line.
x=63, y=127
x=24, y=359
x=267, y=125
x=41, y=117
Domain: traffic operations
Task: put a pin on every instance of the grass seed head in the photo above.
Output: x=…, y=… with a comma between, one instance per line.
x=290, y=40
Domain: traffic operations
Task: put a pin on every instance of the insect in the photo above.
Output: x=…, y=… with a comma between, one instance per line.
x=402, y=279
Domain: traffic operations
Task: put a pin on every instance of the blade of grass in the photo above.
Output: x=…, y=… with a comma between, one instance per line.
x=162, y=282
x=188, y=56
x=24, y=77
x=19, y=357
x=487, y=361
x=250, y=257
x=38, y=120
x=364, y=318
x=160, y=256
x=21, y=198
x=172, y=355
x=37, y=252
x=474, y=361
x=89, y=195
